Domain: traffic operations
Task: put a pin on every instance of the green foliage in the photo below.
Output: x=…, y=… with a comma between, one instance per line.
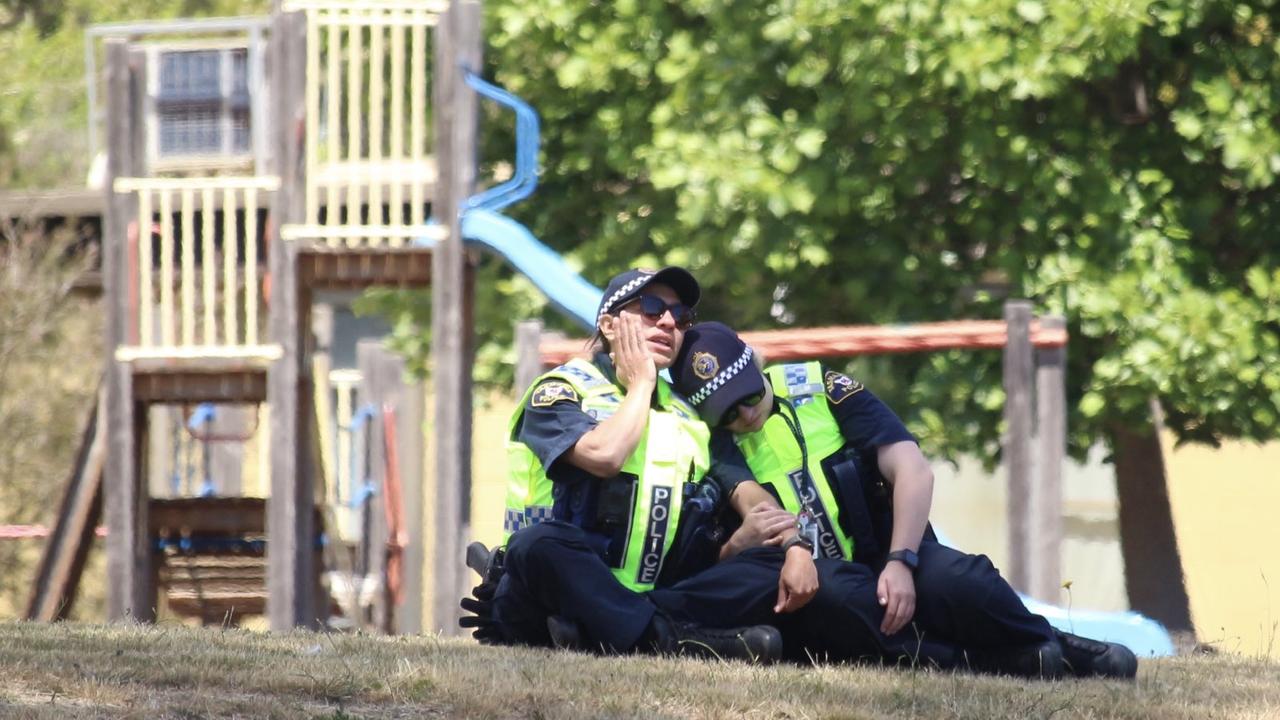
x=818, y=162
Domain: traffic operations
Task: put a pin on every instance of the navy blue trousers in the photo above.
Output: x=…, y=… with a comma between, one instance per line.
x=962, y=602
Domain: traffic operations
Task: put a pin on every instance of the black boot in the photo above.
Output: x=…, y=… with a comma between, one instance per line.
x=1040, y=660
x=1095, y=658
x=759, y=644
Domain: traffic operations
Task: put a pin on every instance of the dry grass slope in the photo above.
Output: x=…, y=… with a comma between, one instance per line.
x=82, y=671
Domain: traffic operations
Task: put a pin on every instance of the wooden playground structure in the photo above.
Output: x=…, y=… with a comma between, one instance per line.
x=209, y=284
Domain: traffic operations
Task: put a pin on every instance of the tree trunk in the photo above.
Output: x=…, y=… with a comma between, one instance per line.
x=1152, y=566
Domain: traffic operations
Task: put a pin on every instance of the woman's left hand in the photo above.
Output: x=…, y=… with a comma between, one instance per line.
x=897, y=593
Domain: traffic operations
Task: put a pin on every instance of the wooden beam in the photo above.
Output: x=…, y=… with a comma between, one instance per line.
x=62, y=561
x=195, y=387
x=852, y=340
x=322, y=268
x=291, y=557
x=457, y=47
x=131, y=593
x=1018, y=388
x=528, y=360
x=1051, y=444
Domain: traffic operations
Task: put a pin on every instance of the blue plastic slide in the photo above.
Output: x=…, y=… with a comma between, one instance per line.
x=563, y=286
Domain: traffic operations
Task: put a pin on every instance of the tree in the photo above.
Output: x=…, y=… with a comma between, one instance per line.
x=817, y=162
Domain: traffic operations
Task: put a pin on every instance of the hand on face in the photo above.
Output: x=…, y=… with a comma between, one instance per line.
x=659, y=337
x=632, y=359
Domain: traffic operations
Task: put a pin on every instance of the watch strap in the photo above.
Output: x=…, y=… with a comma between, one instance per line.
x=797, y=539
x=906, y=557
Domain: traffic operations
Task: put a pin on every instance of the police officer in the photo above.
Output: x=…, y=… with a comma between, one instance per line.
x=604, y=458
x=825, y=449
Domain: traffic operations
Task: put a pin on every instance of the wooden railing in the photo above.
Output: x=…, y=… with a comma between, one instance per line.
x=369, y=164
x=194, y=252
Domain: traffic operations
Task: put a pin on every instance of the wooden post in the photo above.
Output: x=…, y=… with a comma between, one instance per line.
x=377, y=380
x=291, y=557
x=1018, y=388
x=457, y=46
x=1051, y=443
x=410, y=435
x=528, y=357
x=131, y=592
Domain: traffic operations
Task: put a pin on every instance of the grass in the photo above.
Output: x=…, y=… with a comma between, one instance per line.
x=87, y=671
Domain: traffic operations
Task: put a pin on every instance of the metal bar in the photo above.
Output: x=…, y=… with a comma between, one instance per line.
x=251, y=291
x=230, y=258
x=146, y=313
x=355, y=232
x=166, y=352
x=133, y=184
x=434, y=7
x=177, y=27
x=417, y=116
x=313, y=116
x=333, y=64
x=168, y=328
x=396, y=215
x=377, y=53
x=355, y=50
x=188, y=268
x=208, y=266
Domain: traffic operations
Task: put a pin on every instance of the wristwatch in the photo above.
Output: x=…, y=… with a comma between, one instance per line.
x=906, y=557
x=795, y=540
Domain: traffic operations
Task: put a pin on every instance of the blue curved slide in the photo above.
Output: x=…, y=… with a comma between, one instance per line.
x=562, y=285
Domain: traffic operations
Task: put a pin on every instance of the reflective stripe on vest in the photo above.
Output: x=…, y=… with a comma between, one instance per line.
x=776, y=459
x=674, y=442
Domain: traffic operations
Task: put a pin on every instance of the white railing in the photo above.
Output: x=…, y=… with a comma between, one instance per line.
x=346, y=449
x=372, y=175
x=189, y=304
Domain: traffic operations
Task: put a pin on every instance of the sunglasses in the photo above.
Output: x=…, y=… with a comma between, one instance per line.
x=654, y=307
x=748, y=401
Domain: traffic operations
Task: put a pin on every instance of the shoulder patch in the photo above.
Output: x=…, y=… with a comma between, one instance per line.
x=551, y=392
x=840, y=386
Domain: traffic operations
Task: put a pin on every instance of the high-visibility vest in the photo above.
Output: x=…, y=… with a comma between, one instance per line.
x=672, y=450
x=777, y=459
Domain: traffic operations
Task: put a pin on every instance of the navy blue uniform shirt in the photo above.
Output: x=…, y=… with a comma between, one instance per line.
x=866, y=423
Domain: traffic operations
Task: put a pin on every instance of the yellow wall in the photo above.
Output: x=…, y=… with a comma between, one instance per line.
x=1225, y=505
x=489, y=468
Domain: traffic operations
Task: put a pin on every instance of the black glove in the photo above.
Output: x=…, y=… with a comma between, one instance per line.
x=480, y=604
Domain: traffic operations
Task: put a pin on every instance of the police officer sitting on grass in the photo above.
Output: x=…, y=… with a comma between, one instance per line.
x=604, y=460
x=838, y=460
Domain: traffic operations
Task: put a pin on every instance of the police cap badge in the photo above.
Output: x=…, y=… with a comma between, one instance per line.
x=705, y=365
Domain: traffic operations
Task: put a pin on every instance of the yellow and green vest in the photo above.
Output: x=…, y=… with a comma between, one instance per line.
x=775, y=457
x=673, y=448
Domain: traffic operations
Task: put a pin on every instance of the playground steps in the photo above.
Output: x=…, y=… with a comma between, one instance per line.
x=63, y=558
x=211, y=560
x=215, y=588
